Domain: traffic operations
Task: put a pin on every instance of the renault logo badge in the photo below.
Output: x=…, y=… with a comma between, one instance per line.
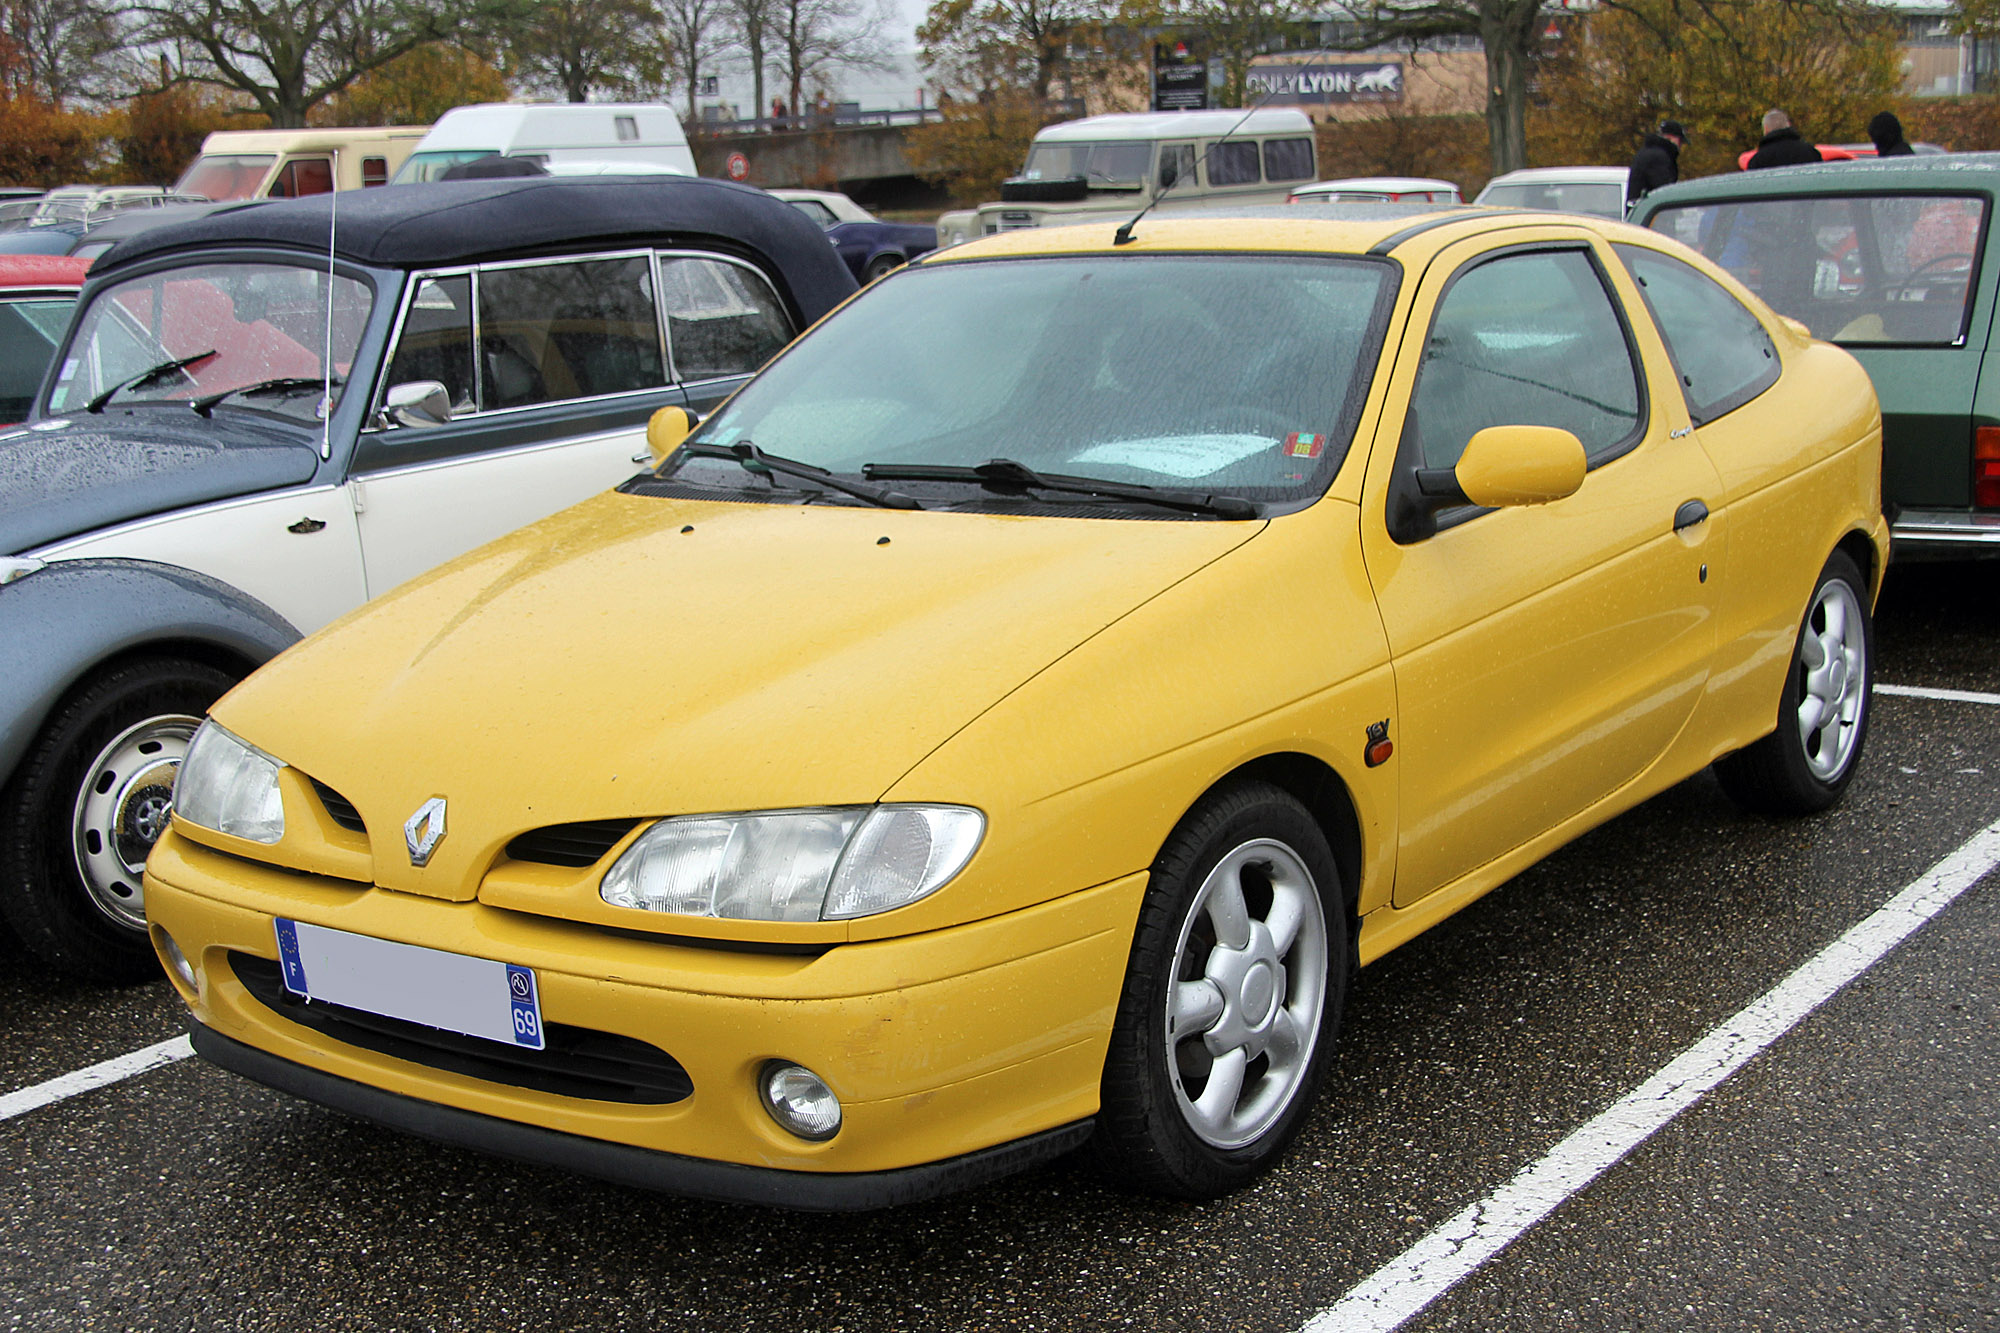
x=424, y=830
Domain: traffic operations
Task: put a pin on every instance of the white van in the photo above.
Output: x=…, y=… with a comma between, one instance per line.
x=283, y=164
x=1114, y=165
x=551, y=133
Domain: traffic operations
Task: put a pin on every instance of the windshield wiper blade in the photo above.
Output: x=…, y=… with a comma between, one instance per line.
x=1008, y=474
x=206, y=404
x=160, y=371
x=754, y=459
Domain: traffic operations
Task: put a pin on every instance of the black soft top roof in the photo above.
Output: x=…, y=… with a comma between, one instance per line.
x=451, y=222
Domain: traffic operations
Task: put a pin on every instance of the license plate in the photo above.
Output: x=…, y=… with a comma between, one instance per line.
x=452, y=991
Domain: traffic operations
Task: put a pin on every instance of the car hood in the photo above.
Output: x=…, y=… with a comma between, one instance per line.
x=641, y=656
x=69, y=476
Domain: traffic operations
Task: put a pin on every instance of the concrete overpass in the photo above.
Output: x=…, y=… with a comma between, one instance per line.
x=863, y=154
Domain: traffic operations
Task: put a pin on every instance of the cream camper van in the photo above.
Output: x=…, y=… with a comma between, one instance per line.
x=283, y=164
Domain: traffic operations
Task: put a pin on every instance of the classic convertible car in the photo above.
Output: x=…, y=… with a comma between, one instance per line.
x=1008, y=722
x=868, y=246
x=243, y=438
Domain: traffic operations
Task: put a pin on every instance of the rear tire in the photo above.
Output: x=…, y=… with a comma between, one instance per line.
x=1231, y=1002
x=1804, y=765
x=881, y=267
x=84, y=809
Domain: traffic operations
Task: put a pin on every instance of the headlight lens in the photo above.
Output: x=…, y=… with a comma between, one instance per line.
x=229, y=785
x=795, y=865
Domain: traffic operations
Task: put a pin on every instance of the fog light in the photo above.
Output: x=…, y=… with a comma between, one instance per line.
x=799, y=1100
x=177, y=962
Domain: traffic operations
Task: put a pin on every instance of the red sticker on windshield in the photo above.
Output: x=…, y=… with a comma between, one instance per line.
x=1303, y=444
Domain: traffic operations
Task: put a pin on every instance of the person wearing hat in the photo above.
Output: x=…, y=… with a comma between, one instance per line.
x=1657, y=163
x=1887, y=133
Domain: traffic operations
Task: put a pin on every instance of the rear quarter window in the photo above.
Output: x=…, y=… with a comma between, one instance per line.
x=1721, y=351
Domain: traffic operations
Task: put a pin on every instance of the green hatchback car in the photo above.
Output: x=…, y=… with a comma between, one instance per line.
x=1892, y=260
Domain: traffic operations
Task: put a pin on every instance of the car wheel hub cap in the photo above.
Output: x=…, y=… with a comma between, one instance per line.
x=1248, y=991
x=122, y=806
x=1833, y=681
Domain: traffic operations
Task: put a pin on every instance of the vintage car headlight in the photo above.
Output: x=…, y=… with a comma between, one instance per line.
x=229, y=785
x=795, y=865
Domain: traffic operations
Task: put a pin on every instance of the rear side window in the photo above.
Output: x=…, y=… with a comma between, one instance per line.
x=722, y=318
x=1288, y=160
x=549, y=332
x=1232, y=164
x=374, y=171
x=1526, y=340
x=1865, y=270
x=1721, y=352
x=1176, y=165
x=306, y=176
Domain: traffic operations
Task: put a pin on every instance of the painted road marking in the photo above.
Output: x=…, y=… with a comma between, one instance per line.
x=1950, y=696
x=1437, y=1263
x=99, y=1075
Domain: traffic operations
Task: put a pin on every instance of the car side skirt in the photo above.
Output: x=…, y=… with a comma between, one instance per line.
x=640, y=1168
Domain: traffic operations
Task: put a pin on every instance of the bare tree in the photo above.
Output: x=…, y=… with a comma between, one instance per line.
x=980, y=44
x=750, y=24
x=63, y=45
x=586, y=46
x=696, y=38
x=288, y=56
x=816, y=36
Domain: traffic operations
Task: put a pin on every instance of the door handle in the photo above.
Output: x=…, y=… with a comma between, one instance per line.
x=1690, y=513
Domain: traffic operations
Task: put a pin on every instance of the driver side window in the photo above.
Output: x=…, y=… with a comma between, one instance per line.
x=1527, y=339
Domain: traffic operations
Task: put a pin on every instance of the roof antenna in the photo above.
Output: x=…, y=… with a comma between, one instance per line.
x=326, y=363
x=1123, y=235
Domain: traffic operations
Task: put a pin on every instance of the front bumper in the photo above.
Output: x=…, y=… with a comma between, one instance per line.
x=958, y=1051
x=691, y=1177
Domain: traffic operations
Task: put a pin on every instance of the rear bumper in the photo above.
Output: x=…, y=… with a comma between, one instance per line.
x=670, y=1173
x=1946, y=534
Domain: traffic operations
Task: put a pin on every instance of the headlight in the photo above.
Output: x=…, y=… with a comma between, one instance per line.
x=795, y=865
x=229, y=785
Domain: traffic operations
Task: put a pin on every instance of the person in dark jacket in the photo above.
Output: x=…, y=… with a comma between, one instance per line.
x=1657, y=163
x=1887, y=132
x=1781, y=145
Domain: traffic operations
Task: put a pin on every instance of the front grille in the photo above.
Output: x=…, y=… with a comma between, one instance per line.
x=338, y=808
x=580, y=844
x=576, y=1062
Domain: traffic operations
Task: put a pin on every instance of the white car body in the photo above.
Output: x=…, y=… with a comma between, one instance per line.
x=1599, y=191
x=1378, y=189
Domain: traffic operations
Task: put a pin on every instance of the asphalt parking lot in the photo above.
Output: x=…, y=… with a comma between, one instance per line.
x=1848, y=1177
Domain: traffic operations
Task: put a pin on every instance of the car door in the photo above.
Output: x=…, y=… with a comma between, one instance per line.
x=1545, y=656
x=552, y=368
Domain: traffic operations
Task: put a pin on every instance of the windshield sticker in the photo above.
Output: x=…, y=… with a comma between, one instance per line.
x=1304, y=444
x=1183, y=456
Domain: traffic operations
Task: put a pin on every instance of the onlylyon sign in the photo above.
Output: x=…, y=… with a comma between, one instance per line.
x=1319, y=84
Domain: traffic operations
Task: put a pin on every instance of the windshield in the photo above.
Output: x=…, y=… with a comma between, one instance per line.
x=242, y=324
x=224, y=178
x=430, y=166
x=1227, y=374
x=1119, y=165
x=1603, y=200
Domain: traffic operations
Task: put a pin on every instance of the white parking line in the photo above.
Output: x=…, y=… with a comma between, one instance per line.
x=1438, y=1262
x=1950, y=696
x=98, y=1075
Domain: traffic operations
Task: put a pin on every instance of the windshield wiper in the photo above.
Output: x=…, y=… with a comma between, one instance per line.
x=1008, y=475
x=206, y=404
x=754, y=459
x=144, y=377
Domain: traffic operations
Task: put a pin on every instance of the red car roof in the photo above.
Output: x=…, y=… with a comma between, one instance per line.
x=42, y=270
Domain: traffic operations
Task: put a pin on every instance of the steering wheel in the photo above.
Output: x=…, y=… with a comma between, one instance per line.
x=1918, y=276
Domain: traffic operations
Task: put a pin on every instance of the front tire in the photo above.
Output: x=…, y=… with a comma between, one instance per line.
x=1804, y=765
x=85, y=807
x=1232, y=998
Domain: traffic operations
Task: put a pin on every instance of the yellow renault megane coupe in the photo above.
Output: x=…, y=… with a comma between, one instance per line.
x=1007, y=724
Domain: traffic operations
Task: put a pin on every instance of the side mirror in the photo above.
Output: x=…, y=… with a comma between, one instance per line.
x=418, y=403
x=665, y=431
x=1504, y=466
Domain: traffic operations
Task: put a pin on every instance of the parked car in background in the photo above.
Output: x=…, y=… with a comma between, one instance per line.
x=551, y=133
x=1377, y=189
x=288, y=164
x=94, y=235
x=1894, y=260
x=184, y=506
x=37, y=293
x=1115, y=165
x=84, y=205
x=1003, y=727
x=1599, y=191
x=868, y=246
